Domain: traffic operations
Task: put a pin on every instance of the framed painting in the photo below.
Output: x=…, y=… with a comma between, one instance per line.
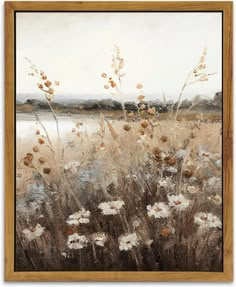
x=118, y=141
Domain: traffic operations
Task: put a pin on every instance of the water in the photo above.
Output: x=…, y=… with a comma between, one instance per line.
x=26, y=124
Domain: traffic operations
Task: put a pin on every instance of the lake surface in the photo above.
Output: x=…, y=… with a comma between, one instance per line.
x=26, y=124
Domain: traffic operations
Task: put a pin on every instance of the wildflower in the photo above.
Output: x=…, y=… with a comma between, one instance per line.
x=33, y=233
x=216, y=199
x=151, y=111
x=76, y=241
x=35, y=149
x=187, y=172
x=192, y=189
x=99, y=238
x=47, y=170
x=171, y=161
x=40, y=141
x=172, y=169
x=81, y=216
x=127, y=242
x=139, y=86
x=127, y=127
x=156, y=150
x=158, y=210
x=104, y=75
x=204, y=77
x=28, y=159
x=178, y=202
x=207, y=220
x=167, y=231
x=42, y=159
x=142, y=107
x=111, y=207
x=113, y=84
x=106, y=87
x=40, y=86
x=166, y=183
x=144, y=124
x=48, y=84
x=141, y=98
x=50, y=91
x=163, y=139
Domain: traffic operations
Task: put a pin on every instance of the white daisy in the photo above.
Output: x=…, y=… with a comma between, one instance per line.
x=216, y=199
x=172, y=169
x=207, y=220
x=192, y=189
x=158, y=210
x=33, y=233
x=76, y=241
x=99, y=238
x=81, y=216
x=111, y=207
x=127, y=242
x=178, y=202
x=166, y=183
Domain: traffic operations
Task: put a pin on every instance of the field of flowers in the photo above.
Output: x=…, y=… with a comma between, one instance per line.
x=138, y=193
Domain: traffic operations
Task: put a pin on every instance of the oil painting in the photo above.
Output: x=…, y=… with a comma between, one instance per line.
x=118, y=141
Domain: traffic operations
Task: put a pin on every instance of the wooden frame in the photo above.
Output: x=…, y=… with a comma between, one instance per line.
x=227, y=274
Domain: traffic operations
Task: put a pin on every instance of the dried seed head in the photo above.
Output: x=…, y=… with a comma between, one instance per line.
x=46, y=170
x=104, y=75
x=144, y=124
x=38, y=132
x=141, y=97
x=113, y=84
x=171, y=161
x=156, y=150
x=165, y=232
x=152, y=111
x=139, y=86
x=188, y=173
x=40, y=86
x=35, y=149
x=73, y=130
x=50, y=91
x=164, y=139
x=127, y=127
x=48, y=84
x=28, y=159
x=41, y=141
x=42, y=159
x=106, y=87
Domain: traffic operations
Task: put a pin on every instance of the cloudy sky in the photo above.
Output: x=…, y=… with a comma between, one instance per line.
x=159, y=51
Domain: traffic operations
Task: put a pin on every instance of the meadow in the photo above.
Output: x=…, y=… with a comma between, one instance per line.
x=127, y=190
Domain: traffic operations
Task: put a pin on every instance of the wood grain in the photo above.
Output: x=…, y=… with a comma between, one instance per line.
x=227, y=274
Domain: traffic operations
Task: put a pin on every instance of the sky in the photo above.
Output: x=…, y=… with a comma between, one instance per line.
x=159, y=50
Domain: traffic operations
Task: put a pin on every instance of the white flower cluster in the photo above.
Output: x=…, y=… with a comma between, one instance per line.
x=158, y=210
x=207, y=220
x=178, y=202
x=33, y=233
x=81, y=216
x=111, y=207
x=127, y=242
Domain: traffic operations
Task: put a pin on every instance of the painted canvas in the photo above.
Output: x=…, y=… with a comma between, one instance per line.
x=118, y=141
